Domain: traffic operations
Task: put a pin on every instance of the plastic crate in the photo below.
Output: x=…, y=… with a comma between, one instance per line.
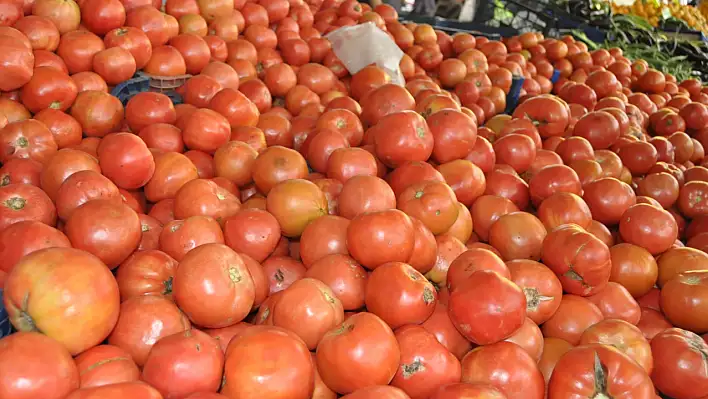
x=451, y=26
x=527, y=16
x=512, y=99
x=165, y=84
x=143, y=82
x=5, y=326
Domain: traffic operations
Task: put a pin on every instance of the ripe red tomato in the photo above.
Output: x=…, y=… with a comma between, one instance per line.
x=425, y=364
x=165, y=368
x=106, y=365
x=34, y=364
x=507, y=367
x=674, y=348
x=399, y=295
x=615, y=374
x=574, y=315
x=246, y=373
x=470, y=305
x=360, y=353
x=90, y=297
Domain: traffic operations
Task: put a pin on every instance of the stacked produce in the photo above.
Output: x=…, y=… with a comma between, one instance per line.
x=295, y=231
x=656, y=12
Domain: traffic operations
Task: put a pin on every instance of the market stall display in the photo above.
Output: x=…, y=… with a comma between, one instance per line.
x=280, y=199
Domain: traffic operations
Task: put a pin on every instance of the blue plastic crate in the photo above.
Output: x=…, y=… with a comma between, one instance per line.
x=556, y=75
x=5, y=326
x=141, y=83
x=512, y=99
x=126, y=90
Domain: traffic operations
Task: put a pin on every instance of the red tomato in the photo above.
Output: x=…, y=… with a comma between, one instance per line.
x=609, y=371
x=507, y=367
x=90, y=297
x=34, y=365
x=106, y=365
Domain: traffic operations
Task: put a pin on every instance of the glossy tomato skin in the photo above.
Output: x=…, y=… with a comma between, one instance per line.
x=399, y=294
x=425, y=363
x=540, y=285
x=679, y=356
x=623, y=336
x=106, y=365
x=682, y=301
x=23, y=238
x=377, y=392
x=134, y=331
x=596, y=368
x=461, y=390
x=216, y=275
x=505, y=366
x=580, y=260
x=470, y=305
x=360, y=353
x=454, y=134
x=369, y=234
x=649, y=227
x=309, y=308
x=165, y=368
x=33, y=365
x=247, y=374
x=136, y=389
x=89, y=297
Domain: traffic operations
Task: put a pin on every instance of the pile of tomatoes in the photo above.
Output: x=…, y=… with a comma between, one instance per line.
x=294, y=231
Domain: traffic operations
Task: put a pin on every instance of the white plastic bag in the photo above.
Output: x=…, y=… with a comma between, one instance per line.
x=362, y=45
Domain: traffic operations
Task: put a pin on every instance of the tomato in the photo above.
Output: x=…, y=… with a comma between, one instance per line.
x=574, y=315
x=615, y=302
x=431, y=202
x=106, y=365
x=504, y=184
x=464, y=390
x=599, y=369
x=295, y=203
x=580, y=260
x=256, y=343
x=380, y=237
x=469, y=304
x=399, y=295
x=564, y=208
x=550, y=115
x=62, y=165
x=673, y=349
x=608, y=199
x=86, y=81
x=136, y=389
x=33, y=364
x=164, y=368
x=486, y=210
x=17, y=63
x=98, y=113
x=82, y=187
x=344, y=276
x=312, y=301
x=147, y=272
x=679, y=260
x=470, y=261
x=90, y=294
x=64, y=128
x=553, y=179
x=623, y=336
x=347, y=360
x=86, y=223
x=649, y=227
x=402, y=136
x=425, y=364
x=172, y=171
x=634, y=268
x=553, y=350
x=25, y=202
x=454, y=134
x=379, y=392
x=681, y=301
x=48, y=88
x=507, y=367
x=27, y=139
x=282, y=272
x=518, y=235
x=541, y=287
x=178, y=237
